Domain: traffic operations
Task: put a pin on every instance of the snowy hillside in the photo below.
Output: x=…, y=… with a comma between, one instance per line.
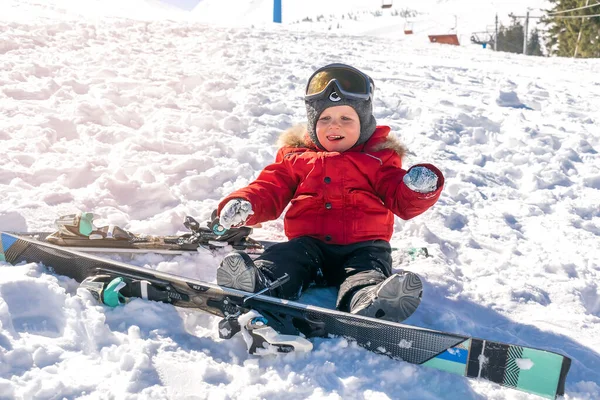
x=90, y=9
x=144, y=121
x=366, y=17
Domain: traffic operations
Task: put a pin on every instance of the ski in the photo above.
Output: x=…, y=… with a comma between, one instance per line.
x=77, y=232
x=523, y=368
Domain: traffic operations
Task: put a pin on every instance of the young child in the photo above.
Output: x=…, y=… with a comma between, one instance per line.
x=343, y=176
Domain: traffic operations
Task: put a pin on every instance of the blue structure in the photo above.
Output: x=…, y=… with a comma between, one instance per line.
x=277, y=11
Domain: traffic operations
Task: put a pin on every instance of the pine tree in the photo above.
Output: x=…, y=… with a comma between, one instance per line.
x=570, y=37
x=510, y=39
x=534, y=47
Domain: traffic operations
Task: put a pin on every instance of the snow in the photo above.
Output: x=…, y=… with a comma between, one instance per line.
x=524, y=363
x=357, y=17
x=141, y=114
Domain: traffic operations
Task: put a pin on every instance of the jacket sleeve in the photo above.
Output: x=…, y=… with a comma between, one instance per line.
x=269, y=194
x=401, y=200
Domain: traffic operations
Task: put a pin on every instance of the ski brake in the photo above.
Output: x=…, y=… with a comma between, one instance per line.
x=260, y=338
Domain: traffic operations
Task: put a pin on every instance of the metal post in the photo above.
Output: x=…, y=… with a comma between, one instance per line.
x=580, y=30
x=496, y=37
x=525, y=29
x=277, y=11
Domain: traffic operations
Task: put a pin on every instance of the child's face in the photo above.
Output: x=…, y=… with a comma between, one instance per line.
x=338, y=128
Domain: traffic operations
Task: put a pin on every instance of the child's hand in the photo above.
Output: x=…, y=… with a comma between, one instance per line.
x=235, y=213
x=421, y=179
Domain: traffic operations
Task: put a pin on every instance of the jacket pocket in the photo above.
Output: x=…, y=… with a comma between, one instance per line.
x=302, y=218
x=369, y=215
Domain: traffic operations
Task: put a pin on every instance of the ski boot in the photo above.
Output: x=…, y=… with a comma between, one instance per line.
x=237, y=271
x=394, y=299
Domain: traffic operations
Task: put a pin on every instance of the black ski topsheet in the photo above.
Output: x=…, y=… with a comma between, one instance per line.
x=144, y=244
x=527, y=369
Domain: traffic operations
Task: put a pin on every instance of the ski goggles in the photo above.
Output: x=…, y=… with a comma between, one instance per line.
x=350, y=82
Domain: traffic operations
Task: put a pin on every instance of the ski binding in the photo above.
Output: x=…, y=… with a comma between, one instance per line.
x=260, y=338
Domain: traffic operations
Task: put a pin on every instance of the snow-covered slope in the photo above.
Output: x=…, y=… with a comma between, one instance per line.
x=29, y=10
x=144, y=122
x=366, y=17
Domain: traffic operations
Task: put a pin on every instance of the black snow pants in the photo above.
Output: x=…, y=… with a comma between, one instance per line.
x=307, y=260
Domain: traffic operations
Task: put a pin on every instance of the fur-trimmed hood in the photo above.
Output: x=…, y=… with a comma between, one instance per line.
x=297, y=137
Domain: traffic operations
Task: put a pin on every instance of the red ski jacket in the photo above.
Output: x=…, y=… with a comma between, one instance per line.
x=339, y=198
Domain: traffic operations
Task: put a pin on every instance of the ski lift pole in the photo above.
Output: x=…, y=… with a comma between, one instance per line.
x=496, y=35
x=277, y=11
x=525, y=28
x=525, y=33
